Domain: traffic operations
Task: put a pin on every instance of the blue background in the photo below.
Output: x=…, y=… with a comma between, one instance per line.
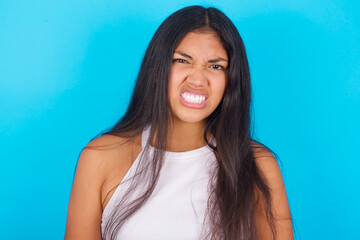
x=66, y=73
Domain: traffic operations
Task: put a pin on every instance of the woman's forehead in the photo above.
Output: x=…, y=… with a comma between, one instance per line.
x=202, y=43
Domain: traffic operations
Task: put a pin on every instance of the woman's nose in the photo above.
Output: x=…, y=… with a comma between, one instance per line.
x=197, y=78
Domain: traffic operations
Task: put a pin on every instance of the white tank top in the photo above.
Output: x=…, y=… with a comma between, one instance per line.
x=176, y=209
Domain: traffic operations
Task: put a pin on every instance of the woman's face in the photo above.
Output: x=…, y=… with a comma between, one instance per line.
x=198, y=77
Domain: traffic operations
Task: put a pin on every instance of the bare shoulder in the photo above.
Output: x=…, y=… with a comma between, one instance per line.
x=269, y=168
x=270, y=171
x=107, y=142
x=101, y=154
x=101, y=165
x=104, y=149
x=111, y=157
x=267, y=163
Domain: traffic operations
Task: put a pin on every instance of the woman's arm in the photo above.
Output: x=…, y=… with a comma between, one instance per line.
x=85, y=208
x=269, y=168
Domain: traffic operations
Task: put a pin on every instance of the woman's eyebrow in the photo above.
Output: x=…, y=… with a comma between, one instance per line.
x=219, y=59
x=215, y=60
x=183, y=54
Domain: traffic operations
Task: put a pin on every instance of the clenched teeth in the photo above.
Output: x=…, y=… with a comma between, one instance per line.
x=192, y=98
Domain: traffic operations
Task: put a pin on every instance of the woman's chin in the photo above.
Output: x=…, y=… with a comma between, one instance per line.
x=190, y=119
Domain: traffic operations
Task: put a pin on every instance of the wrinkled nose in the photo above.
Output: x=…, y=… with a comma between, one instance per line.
x=197, y=78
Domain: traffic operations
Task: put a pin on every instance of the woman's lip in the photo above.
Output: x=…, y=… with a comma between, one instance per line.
x=191, y=91
x=193, y=105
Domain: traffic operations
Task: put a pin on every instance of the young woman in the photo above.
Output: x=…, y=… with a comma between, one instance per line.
x=181, y=163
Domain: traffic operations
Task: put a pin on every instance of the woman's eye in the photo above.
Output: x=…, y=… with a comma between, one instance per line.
x=217, y=67
x=179, y=60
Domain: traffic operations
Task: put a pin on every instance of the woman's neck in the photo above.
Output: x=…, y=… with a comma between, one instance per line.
x=185, y=136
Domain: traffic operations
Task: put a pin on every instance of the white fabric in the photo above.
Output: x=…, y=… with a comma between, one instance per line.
x=176, y=209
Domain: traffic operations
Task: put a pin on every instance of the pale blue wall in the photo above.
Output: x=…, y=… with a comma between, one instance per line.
x=65, y=72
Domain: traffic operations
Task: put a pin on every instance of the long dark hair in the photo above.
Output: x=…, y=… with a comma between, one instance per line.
x=232, y=202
